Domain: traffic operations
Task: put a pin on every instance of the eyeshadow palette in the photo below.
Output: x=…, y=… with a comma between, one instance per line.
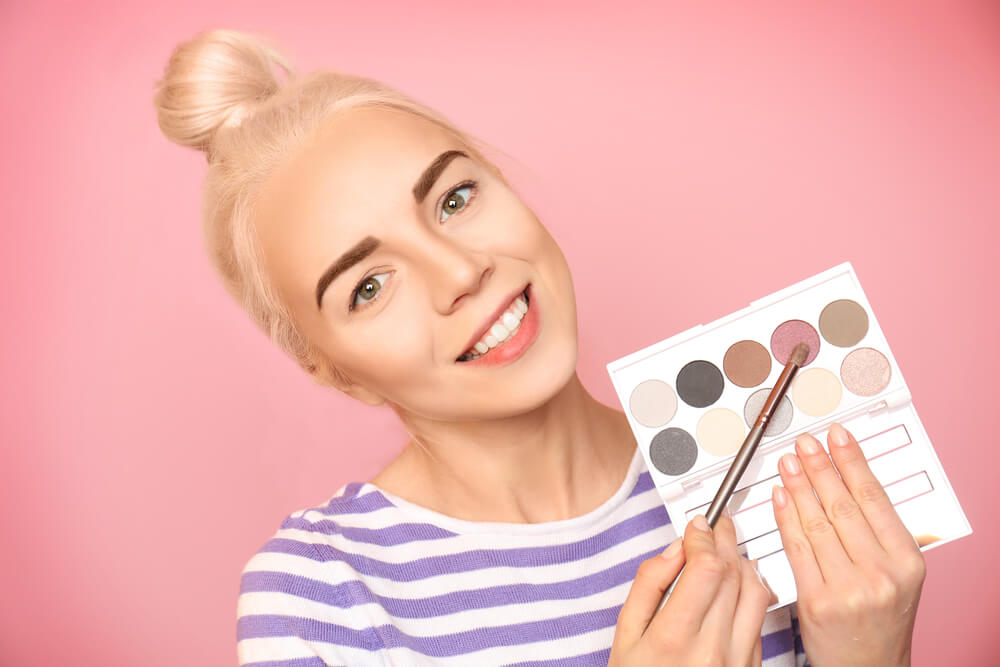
x=692, y=398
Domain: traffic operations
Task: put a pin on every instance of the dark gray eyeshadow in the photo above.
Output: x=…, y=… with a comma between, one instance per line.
x=700, y=383
x=673, y=451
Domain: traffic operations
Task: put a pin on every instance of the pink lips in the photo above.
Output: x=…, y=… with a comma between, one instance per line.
x=517, y=344
x=488, y=322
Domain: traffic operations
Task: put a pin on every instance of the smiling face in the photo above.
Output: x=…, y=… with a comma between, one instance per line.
x=398, y=254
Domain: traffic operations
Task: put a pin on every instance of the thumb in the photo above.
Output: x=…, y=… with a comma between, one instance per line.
x=652, y=579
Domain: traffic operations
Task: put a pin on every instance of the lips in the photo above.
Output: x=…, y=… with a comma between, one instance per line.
x=498, y=327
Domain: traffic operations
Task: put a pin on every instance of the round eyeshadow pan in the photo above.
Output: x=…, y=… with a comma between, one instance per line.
x=816, y=391
x=843, y=323
x=700, y=383
x=781, y=419
x=791, y=333
x=653, y=403
x=673, y=451
x=747, y=363
x=720, y=431
x=865, y=371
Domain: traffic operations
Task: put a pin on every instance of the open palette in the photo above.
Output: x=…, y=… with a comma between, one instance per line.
x=692, y=398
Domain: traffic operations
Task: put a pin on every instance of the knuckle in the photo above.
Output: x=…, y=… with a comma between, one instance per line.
x=709, y=564
x=845, y=508
x=817, y=608
x=914, y=568
x=798, y=547
x=817, y=526
x=871, y=492
x=884, y=593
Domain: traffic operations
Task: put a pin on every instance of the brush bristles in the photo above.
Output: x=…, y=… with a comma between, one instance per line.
x=799, y=354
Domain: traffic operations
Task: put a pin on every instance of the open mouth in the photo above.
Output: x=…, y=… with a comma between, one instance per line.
x=502, y=330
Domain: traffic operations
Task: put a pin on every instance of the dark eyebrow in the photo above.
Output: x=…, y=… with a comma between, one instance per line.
x=430, y=175
x=361, y=249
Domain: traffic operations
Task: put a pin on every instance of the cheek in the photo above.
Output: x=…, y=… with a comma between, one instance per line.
x=389, y=354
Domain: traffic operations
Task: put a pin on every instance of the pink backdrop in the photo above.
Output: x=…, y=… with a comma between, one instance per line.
x=153, y=439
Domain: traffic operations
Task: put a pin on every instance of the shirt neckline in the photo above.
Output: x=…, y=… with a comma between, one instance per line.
x=454, y=524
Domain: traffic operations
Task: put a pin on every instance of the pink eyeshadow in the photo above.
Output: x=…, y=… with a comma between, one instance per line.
x=788, y=335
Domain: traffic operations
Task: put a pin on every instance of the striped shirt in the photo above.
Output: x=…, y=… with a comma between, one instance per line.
x=371, y=579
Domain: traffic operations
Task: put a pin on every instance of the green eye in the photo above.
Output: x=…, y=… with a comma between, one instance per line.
x=454, y=201
x=368, y=289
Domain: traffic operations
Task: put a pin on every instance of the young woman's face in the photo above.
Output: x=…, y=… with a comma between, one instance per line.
x=398, y=257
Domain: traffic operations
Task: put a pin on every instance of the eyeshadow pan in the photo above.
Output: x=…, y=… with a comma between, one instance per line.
x=720, y=431
x=653, y=403
x=791, y=333
x=781, y=419
x=700, y=383
x=747, y=363
x=865, y=371
x=673, y=451
x=816, y=391
x=843, y=323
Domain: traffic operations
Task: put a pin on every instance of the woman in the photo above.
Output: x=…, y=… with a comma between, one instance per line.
x=377, y=246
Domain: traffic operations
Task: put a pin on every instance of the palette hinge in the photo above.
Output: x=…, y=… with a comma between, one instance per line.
x=675, y=490
x=893, y=400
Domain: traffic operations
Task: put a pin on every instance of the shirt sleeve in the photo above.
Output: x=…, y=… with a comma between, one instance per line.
x=287, y=615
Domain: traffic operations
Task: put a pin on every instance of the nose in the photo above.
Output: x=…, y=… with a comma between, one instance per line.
x=453, y=271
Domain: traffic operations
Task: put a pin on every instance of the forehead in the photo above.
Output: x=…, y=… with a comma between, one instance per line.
x=352, y=176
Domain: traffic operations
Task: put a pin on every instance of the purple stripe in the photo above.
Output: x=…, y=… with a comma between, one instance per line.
x=643, y=484
x=478, y=559
x=401, y=533
x=314, y=661
x=351, y=489
x=353, y=593
x=597, y=658
x=368, y=502
x=458, y=643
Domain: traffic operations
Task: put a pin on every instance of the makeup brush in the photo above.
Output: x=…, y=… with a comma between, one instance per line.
x=749, y=447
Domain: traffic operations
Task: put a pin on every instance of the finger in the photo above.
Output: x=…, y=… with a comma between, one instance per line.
x=886, y=525
x=826, y=546
x=718, y=620
x=805, y=569
x=697, y=586
x=841, y=508
x=751, y=609
x=758, y=654
x=652, y=578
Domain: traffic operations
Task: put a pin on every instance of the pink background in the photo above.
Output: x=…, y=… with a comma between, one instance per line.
x=153, y=439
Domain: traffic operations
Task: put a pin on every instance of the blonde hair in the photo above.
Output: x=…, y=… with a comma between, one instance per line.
x=220, y=94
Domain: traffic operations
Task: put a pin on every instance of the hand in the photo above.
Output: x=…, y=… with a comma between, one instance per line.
x=857, y=568
x=713, y=617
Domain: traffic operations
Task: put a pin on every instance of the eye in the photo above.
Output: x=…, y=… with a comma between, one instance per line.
x=454, y=201
x=367, y=290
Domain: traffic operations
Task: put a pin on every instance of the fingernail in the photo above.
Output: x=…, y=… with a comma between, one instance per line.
x=726, y=513
x=672, y=550
x=838, y=435
x=791, y=464
x=700, y=523
x=778, y=496
x=808, y=444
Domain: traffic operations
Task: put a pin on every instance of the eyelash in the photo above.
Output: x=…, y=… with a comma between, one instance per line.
x=458, y=186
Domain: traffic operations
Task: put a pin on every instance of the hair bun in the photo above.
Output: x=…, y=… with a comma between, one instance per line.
x=214, y=80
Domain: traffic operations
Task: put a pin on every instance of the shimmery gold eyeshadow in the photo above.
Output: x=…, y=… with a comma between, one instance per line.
x=720, y=431
x=747, y=363
x=865, y=371
x=653, y=403
x=816, y=391
x=843, y=323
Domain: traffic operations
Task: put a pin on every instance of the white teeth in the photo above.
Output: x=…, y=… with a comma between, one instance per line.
x=499, y=331
x=506, y=325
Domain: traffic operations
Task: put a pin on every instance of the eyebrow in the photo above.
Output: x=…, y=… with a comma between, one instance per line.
x=368, y=245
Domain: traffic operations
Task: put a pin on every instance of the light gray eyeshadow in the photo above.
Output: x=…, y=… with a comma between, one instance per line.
x=673, y=451
x=779, y=421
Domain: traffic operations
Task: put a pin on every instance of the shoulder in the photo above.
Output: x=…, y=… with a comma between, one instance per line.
x=297, y=591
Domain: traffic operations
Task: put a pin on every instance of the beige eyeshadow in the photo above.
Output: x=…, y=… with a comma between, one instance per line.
x=720, y=431
x=653, y=403
x=843, y=323
x=747, y=363
x=816, y=391
x=865, y=371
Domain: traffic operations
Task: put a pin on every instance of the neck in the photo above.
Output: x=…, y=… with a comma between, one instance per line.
x=561, y=460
